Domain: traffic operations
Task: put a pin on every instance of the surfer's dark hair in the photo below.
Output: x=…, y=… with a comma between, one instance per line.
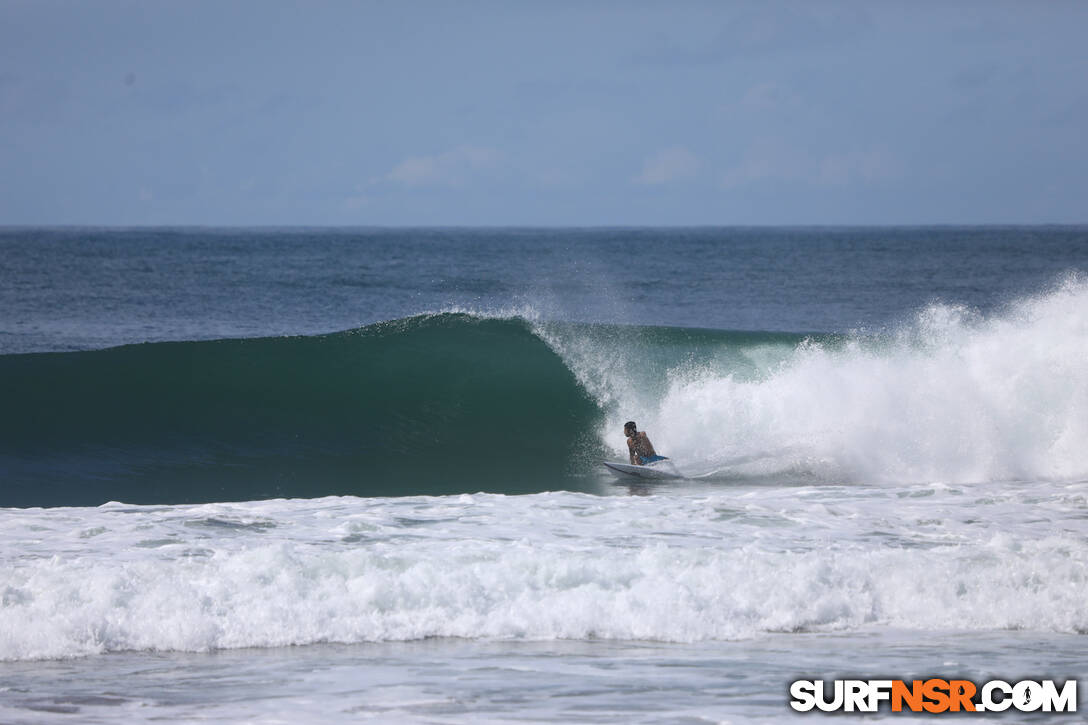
x=630, y=425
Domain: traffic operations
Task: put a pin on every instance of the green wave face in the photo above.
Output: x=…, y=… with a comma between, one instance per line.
x=434, y=405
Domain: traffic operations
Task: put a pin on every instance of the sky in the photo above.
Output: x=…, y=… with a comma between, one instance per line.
x=547, y=113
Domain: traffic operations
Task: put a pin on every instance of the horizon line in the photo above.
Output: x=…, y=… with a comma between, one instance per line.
x=406, y=227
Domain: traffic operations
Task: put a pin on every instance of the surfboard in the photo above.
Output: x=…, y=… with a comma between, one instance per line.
x=650, y=470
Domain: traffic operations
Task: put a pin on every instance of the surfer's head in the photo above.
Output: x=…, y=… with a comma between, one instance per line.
x=629, y=428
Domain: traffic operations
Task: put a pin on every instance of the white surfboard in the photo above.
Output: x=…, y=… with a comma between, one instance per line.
x=650, y=470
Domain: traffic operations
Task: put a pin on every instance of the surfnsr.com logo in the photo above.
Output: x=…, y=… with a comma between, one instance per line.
x=934, y=695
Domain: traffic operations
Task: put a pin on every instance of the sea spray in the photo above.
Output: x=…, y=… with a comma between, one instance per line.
x=950, y=396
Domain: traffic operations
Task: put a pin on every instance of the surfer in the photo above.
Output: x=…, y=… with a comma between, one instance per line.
x=642, y=450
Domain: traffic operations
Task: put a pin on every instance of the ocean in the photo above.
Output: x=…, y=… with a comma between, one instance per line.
x=343, y=475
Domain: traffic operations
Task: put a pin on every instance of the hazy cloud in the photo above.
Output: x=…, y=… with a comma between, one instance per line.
x=780, y=163
x=867, y=166
x=669, y=165
x=452, y=168
x=356, y=202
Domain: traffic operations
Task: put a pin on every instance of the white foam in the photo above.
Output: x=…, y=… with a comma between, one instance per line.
x=949, y=397
x=552, y=566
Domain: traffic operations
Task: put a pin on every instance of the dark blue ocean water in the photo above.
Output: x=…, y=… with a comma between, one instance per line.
x=77, y=289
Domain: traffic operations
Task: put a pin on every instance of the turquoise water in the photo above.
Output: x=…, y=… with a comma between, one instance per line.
x=354, y=474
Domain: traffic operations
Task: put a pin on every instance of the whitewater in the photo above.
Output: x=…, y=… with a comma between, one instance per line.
x=905, y=499
x=950, y=396
x=698, y=565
